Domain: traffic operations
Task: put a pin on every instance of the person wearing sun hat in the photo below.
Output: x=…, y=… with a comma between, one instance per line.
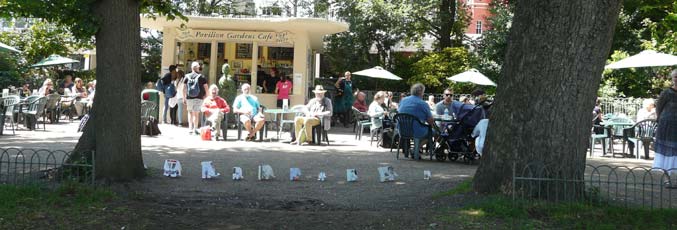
x=319, y=107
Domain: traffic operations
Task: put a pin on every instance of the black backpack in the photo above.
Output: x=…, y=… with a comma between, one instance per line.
x=387, y=138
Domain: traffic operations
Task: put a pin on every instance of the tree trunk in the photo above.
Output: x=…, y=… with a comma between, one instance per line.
x=114, y=130
x=544, y=100
x=446, y=22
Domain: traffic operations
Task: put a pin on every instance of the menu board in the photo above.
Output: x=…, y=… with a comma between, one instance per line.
x=280, y=53
x=243, y=50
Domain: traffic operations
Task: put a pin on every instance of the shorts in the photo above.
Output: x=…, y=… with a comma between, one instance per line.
x=193, y=105
x=280, y=102
x=258, y=117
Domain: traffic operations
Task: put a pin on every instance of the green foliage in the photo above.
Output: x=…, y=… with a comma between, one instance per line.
x=434, y=69
x=487, y=212
x=9, y=74
x=151, y=63
x=490, y=52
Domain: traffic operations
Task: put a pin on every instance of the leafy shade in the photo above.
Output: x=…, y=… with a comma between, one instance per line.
x=77, y=15
x=434, y=69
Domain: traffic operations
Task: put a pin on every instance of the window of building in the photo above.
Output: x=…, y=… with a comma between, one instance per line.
x=478, y=29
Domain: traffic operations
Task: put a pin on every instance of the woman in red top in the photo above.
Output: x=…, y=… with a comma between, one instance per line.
x=214, y=108
x=282, y=89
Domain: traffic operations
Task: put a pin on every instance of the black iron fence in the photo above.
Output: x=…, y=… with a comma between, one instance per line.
x=600, y=185
x=45, y=167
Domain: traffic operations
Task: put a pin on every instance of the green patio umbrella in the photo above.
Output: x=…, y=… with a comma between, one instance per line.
x=54, y=59
x=5, y=47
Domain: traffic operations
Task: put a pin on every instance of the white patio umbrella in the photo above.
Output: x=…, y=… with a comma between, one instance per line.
x=5, y=47
x=54, y=59
x=378, y=72
x=472, y=76
x=647, y=58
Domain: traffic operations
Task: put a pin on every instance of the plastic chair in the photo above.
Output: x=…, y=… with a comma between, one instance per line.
x=617, y=125
x=36, y=107
x=263, y=132
x=601, y=137
x=405, y=126
x=642, y=132
x=10, y=102
x=298, y=109
x=362, y=121
x=147, y=108
x=53, y=107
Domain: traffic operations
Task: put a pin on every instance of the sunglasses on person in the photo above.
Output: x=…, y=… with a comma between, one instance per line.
x=448, y=95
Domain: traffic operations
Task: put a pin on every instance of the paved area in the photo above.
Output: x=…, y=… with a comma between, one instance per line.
x=336, y=198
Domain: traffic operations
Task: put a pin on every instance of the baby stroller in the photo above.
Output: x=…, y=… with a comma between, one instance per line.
x=455, y=140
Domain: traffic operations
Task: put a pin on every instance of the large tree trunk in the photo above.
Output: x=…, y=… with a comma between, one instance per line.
x=114, y=130
x=446, y=22
x=544, y=100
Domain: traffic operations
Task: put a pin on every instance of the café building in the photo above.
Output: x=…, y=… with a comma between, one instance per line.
x=253, y=47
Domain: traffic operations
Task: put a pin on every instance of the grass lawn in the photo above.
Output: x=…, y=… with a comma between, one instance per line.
x=499, y=211
x=33, y=207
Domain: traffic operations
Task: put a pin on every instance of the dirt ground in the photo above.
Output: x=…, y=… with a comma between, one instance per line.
x=189, y=202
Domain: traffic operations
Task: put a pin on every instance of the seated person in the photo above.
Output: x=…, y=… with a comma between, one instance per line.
x=480, y=134
x=415, y=106
x=249, y=109
x=47, y=88
x=360, y=102
x=431, y=102
x=376, y=111
x=319, y=106
x=448, y=104
x=214, y=108
x=80, y=93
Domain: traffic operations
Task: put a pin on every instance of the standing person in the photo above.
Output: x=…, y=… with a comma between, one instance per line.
x=195, y=91
x=249, y=109
x=345, y=88
x=666, y=131
x=282, y=89
x=270, y=82
x=177, y=111
x=214, y=108
x=166, y=81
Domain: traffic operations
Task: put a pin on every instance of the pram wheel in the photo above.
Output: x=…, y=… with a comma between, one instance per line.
x=441, y=152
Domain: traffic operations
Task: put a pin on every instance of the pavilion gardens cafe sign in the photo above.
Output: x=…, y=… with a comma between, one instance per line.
x=224, y=35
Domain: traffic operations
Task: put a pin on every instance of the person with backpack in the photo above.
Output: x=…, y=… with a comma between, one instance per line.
x=194, y=93
x=168, y=90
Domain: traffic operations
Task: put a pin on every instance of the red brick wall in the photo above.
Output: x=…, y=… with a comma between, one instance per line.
x=478, y=11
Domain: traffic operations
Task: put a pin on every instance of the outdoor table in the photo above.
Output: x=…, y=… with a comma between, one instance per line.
x=611, y=128
x=279, y=112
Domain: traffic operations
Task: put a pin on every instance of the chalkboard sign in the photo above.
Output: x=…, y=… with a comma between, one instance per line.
x=280, y=53
x=243, y=50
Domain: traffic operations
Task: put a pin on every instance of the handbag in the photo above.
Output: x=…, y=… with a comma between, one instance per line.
x=206, y=133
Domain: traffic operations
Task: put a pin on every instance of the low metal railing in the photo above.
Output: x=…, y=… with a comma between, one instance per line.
x=43, y=166
x=600, y=185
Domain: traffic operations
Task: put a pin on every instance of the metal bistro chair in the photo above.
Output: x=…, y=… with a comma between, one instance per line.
x=405, y=126
x=10, y=102
x=362, y=121
x=642, y=132
x=36, y=107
